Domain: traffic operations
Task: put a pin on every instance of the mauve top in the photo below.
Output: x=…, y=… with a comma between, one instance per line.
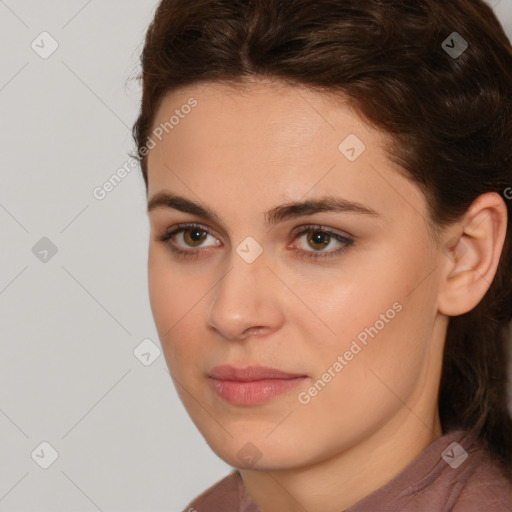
x=454, y=474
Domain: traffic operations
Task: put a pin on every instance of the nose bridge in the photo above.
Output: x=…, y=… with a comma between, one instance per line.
x=244, y=298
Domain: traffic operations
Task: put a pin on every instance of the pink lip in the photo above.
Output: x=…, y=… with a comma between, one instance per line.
x=252, y=385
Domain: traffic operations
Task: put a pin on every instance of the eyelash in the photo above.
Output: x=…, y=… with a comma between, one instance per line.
x=194, y=253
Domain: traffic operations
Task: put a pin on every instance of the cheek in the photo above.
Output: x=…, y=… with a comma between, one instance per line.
x=342, y=302
x=171, y=291
x=382, y=362
x=176, y=300
x=160, y=285
x=168, y=296
x=378, y=315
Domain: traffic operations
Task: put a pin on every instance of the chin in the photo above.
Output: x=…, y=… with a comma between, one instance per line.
x=258, y=452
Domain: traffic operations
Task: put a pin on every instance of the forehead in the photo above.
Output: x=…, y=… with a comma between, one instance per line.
x=257, y=113
x=269, y=142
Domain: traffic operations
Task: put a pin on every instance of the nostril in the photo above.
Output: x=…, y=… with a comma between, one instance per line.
x=252, y=331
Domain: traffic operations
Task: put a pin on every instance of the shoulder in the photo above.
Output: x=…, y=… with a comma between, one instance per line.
x=466, y=478
x=480, y=485
x=453, y=474
x=227, y=495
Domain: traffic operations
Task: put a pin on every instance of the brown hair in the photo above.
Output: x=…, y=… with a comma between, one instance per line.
x=449, y=117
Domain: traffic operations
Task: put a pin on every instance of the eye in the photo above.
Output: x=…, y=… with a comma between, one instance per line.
x=184, y=239
x=318, y=239
x=187, y=236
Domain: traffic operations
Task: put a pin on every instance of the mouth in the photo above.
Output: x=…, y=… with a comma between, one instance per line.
x=252, y=385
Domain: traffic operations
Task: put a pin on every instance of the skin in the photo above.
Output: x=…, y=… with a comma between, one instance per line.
x=241, y=152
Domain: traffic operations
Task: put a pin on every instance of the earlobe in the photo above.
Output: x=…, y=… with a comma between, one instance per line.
x=473, y=255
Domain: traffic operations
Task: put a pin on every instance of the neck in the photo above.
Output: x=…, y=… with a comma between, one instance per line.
x=340, y=481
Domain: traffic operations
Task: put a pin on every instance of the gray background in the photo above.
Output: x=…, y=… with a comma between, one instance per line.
x=69, y=324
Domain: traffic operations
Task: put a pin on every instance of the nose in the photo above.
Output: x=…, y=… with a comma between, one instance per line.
x=247, y=301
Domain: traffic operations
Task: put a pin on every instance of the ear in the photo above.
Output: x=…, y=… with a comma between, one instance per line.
x=472, y=249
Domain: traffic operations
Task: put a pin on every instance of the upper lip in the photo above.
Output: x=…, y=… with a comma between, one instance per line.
x=250, y=373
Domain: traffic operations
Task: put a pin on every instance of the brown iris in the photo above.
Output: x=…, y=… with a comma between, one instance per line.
x=194, y=236
x=319, y=239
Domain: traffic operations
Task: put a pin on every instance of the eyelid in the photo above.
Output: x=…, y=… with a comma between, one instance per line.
x=311, y=227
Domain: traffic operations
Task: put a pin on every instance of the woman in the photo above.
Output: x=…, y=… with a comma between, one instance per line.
x=329, y=195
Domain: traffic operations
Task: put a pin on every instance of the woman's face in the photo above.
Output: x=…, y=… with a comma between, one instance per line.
x=342, y=297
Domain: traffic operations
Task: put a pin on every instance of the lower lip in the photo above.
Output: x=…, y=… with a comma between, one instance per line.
x=253, y=392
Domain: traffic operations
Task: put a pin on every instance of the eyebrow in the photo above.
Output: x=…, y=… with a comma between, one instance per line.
x=273, y=216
